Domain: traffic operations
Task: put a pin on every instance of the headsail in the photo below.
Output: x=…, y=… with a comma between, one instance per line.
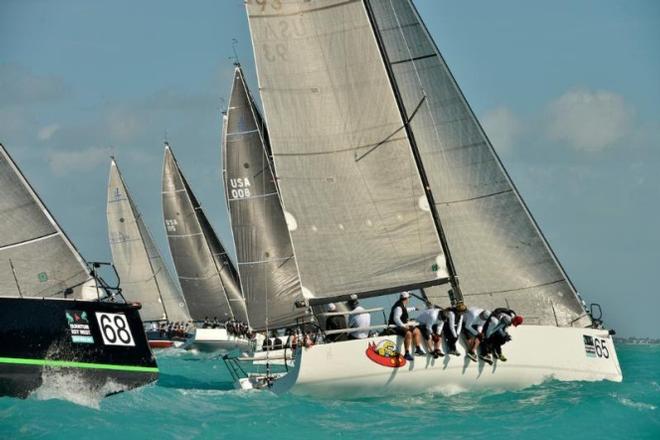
x=357, y=211
x=207, y=276
x=266, y=264
x=498, y=250
x=141, y=268
x=36, y=257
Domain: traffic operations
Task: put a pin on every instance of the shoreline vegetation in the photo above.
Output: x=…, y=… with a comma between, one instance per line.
x=633, y=340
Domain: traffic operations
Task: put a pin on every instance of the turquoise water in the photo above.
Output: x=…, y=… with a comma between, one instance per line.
x=194, y=399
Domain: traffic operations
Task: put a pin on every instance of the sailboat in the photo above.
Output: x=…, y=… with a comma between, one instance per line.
x=59, y=318
x=143, y=273
x=207, y=277
x=389, y=183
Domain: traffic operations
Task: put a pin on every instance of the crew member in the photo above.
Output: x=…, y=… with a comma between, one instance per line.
x=495, y=332
x=473, y=323
x=399, y=321
x=358, y=319
x=430, y=326
x=335, y=322
x=452, y=318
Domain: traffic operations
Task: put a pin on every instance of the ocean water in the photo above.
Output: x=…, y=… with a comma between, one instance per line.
x=195, y=399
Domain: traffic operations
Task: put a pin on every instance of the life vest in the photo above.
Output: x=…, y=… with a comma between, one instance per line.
x=404, y=313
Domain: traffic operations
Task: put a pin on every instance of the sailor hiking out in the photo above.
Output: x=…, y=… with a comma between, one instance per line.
x=398, y=320
x=473, y=324
x=452, y=319
x=495, y=334
x=430, y=326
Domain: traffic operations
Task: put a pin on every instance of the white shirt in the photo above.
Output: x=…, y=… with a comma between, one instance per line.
x=472, y=319
x=397, y=316
x=359, y=320
x=454, y=327
x=429, y=317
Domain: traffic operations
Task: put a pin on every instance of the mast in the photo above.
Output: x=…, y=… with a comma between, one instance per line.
x=453, y=277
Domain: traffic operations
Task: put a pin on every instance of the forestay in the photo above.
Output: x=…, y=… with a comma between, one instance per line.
x=207, y=277
x=36, y=257
x=144, y=276
x=266, y=264
x=499, y=253
x=357, y=212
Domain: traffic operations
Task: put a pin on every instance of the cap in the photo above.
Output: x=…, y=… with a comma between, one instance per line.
x=484, y=314
x=405, y=295
x=331, y=307
x=517, y=320
x=353, y=297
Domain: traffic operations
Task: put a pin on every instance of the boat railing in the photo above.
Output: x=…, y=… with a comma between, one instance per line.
x=352, y=312
x=358, y=329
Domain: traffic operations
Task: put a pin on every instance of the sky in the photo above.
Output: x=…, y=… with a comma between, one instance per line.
x=567, y=91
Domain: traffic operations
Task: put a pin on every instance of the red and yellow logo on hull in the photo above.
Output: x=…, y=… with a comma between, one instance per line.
x=385, y=354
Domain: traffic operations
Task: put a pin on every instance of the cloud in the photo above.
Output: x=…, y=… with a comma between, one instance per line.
x=588, y=120
x=47, y=132
x=19, y=86
x=62, y=163
x=502, y=127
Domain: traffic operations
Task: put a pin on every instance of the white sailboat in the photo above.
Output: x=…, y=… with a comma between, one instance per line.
x=206, y=274
x=141, y=268
x=389, y=183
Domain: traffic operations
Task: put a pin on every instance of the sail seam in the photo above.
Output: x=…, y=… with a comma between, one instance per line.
x=344, y=150
x=417, y=58
x=451, y=202
x=32, y=240
x=549, y=283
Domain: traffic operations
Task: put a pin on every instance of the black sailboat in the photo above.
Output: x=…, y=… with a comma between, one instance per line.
x=58, y=316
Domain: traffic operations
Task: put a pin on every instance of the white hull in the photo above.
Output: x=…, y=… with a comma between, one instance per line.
x=535, y=354
x=211, y=340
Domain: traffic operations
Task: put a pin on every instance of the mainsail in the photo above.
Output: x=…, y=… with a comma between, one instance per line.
x=352, y=91
x=206, y=274
x=266, y=264
x=499, y=252
x=36, y=257
x=357, y=211
x=141, y=268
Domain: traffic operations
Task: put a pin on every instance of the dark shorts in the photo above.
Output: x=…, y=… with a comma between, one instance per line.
x=435, y=329
x=400, y=331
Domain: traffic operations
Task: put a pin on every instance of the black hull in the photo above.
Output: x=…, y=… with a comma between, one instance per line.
x=40, y=337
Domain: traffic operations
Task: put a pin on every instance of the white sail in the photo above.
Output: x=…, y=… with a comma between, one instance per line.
x=500, y=254
x=143, y=273
x=36, y=257
x=357, y=211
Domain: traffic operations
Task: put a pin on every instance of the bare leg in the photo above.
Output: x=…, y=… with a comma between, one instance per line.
x=406, y=341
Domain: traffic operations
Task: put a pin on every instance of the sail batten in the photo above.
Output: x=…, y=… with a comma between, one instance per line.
x=208, y=279
x=37, y=259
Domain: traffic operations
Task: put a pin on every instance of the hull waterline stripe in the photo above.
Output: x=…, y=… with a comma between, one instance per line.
x=73, y=364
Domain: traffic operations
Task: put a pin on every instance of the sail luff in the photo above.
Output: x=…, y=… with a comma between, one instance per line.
x=18, y=198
